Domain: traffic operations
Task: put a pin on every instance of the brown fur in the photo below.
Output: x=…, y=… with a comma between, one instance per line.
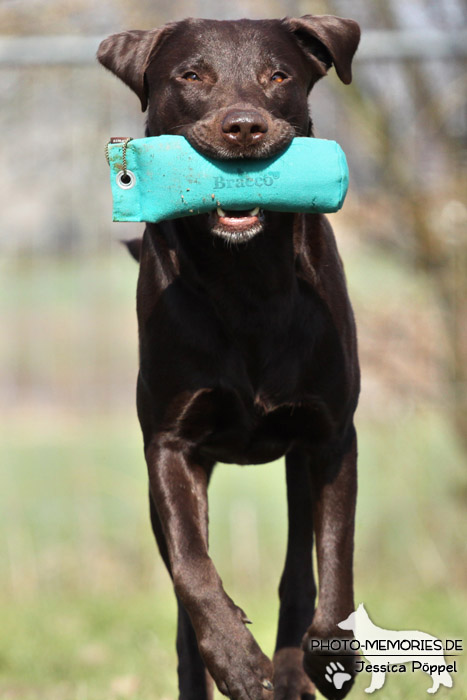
x=247, y=350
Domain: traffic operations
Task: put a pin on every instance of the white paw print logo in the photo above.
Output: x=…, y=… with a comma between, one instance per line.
x=336, y=674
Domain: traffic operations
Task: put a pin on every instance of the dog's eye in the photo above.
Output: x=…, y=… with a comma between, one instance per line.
x=191, y=76
x=278, y=77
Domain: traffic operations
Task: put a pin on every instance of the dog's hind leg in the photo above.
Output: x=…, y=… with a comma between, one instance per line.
x=297, y=588
x=194, y=681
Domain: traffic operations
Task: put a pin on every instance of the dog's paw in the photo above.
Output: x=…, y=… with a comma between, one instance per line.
x=236, y=663
x=336, y=674
x=290, y=680
x=332, y=673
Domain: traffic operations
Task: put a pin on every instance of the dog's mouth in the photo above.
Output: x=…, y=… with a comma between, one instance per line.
x=237, y=226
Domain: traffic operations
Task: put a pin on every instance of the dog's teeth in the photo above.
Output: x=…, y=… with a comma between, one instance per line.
x=253, y=212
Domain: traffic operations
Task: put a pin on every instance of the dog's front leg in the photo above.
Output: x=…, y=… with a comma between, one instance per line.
x=179, y=491
x=334, y=492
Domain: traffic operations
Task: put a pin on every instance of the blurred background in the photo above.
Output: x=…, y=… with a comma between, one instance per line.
x=86, y=608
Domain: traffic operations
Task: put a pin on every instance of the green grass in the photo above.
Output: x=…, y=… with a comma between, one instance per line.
x=86, y=607
x=87, y=610
x=109, y=646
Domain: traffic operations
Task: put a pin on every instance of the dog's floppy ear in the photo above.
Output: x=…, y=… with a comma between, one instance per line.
x=134, y=246
x=128, y=54
x=338, y=36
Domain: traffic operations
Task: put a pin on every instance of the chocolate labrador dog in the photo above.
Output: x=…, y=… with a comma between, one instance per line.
x=247, y=349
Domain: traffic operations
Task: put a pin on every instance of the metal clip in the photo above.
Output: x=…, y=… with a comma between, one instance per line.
x=125, y=178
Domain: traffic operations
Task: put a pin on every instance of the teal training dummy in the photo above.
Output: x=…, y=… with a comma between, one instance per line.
x=164, y=177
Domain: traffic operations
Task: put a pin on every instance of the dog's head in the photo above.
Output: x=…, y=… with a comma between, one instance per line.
x=234, y=89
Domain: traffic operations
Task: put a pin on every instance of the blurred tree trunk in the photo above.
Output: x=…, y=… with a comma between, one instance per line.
x=441, y=254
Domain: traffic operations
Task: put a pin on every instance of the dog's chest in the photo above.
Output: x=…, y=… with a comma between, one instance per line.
x=243, y=380
x=245, y=434
x=261, y=390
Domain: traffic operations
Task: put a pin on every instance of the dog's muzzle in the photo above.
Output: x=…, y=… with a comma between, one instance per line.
x=237, y=226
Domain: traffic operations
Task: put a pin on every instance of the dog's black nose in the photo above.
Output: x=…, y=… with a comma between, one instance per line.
x=244, y=127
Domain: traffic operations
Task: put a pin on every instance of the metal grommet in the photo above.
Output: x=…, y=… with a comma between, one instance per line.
x=126, y=179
